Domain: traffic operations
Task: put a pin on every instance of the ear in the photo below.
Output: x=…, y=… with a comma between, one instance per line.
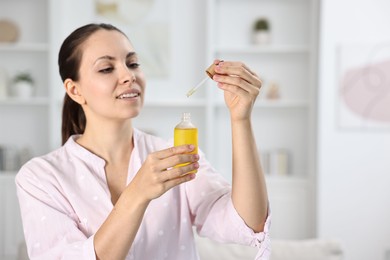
x=73, y=90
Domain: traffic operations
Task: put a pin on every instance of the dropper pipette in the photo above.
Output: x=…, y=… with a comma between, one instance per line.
x=192, y=91
x=210, y=73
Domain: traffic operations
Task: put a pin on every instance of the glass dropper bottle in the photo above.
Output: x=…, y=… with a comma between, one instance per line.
x=186, y=132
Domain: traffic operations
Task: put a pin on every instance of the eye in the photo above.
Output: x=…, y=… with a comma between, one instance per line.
x=106, y=70
x=133, y=65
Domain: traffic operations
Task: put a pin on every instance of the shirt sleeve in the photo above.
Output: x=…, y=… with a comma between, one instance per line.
x=214, y=215
x=51, y=231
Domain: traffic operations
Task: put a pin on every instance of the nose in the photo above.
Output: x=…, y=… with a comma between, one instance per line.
x=127, y=75
x=131, y=79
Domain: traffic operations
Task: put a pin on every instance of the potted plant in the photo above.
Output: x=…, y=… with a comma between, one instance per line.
x=261, y=31
x=3, y=83
x=23, y=85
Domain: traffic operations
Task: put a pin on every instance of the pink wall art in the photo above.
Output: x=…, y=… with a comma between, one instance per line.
x=363, y=96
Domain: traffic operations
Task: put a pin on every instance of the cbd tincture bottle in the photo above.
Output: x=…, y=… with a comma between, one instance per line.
x=186, y=133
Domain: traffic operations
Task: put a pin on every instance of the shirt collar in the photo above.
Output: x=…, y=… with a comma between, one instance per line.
x=82, y=152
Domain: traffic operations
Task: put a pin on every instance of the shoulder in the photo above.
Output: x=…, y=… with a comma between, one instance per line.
x=54, y=166
x=42, y=164
x=38, y=175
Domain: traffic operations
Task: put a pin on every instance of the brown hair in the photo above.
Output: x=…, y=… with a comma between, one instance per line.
x=69, y=59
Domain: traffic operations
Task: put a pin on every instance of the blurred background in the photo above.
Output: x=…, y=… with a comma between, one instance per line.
x=322, y=120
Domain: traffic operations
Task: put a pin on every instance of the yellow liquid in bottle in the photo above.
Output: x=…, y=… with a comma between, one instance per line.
x=186, y=136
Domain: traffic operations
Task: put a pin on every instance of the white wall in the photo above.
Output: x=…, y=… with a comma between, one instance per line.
x=354, y=166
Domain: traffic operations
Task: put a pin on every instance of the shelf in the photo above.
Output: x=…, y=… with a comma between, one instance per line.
x=7, y=175
x=272, y=1
x=185, y=102
x=281, y=104
x=21, y=1
x=3, y=257
x=275, y=104
x=12, y=101
x=286, y=180
x=265, y=49
x=16, y=47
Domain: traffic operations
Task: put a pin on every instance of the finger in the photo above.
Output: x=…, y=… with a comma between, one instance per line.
x=236, y=85
x=250, y=71
x=187, y=148
x=217, y=61
x=237, y=75
x=238, y=69
x=178, y=159
x=177, y=181
x=179, y=171
x=237, y=64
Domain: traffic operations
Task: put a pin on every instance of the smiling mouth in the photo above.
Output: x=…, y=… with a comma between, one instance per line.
x=128, y=95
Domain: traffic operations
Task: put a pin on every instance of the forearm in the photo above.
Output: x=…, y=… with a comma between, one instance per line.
x=249, y=193
x=114, y=238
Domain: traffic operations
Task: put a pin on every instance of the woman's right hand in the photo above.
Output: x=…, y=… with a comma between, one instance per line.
x=158, y=174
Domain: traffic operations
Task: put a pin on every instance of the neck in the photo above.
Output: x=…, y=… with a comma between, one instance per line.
x=109, y=141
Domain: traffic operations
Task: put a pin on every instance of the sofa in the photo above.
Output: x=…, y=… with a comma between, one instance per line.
x=307, y=249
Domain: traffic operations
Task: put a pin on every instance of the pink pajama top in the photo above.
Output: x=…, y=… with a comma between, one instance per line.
x=64, y=199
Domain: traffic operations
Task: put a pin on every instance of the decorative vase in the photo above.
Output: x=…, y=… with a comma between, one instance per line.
x=23, y=89
x=261, y=37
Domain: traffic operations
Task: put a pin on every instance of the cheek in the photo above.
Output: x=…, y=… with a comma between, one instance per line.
x=97, y=89
x=141, y=81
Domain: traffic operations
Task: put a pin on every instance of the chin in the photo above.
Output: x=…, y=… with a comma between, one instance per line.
x=134, y=113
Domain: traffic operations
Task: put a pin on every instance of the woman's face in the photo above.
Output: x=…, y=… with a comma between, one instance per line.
x=111, y=82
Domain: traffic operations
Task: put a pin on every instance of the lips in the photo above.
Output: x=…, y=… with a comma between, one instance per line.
x=129, y=94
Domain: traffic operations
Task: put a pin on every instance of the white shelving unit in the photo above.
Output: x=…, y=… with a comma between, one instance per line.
x=287, y=123
x=26, y=122
x=26, y=119
x=11, y=230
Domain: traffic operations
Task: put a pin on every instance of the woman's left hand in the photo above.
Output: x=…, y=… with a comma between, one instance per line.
x=241, y=87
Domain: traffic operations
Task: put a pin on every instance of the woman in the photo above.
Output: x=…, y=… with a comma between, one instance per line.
x=111, y=192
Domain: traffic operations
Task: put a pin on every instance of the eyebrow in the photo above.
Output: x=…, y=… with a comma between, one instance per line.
x=108, y=57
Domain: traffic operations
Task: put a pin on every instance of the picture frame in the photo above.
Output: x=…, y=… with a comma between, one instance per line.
x=363, y=87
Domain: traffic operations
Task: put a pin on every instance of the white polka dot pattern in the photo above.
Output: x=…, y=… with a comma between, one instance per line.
x=64, y=199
